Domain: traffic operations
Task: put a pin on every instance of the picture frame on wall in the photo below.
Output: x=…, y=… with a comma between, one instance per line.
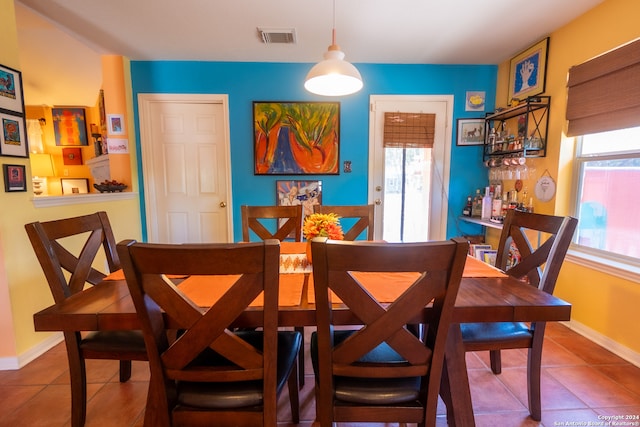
x=296, y=138
x=115, y=124
x=528, y=71
x=11, y=97
x=14, y=178
x=470, y=132
x=294, y=192
x=74, y=185
x=70, y=126
x=13, y=136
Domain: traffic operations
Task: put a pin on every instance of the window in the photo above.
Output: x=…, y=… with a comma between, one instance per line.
x=608, y=196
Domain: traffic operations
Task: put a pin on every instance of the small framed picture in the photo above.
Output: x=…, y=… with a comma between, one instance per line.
x=470, y=132
x=14, y=178
x=528, y=71
x=13, y=137
x=11, y=90
x=74, y=185
x=305, y=193
x=115, y=124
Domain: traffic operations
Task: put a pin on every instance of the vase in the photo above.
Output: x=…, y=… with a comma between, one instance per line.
x=309, y=251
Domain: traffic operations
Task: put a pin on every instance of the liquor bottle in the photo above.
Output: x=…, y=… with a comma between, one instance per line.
x=496, y=205
x=476, y=207
x=468, y=207
x=486, y=204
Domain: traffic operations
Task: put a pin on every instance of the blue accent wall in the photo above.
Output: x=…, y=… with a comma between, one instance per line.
x=245, y=82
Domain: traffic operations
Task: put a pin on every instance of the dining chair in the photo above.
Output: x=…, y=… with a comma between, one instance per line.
x=210, y=375
x=538, y=243
x=361, y=216
x=380, y=371
x=287, y=224
x=68, y=274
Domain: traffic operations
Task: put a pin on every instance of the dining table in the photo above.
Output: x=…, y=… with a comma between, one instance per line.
x=486, y=294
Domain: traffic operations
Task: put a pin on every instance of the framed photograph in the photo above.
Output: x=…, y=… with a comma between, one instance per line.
x=70, y=126
x=115, y=124
x=305, y=193
x=528, y=71
x=11, y=90
x=296, y=138
x=74, y=185
x=13, y=136
x=470, y=132
x=72, y=156
x=14, y=178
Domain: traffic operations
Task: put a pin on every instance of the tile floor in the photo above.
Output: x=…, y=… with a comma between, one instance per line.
x=581, y=382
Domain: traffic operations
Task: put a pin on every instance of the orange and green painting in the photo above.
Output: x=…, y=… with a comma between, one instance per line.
x=296, y=138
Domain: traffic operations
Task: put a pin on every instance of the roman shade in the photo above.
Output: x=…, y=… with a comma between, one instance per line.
x=604, y=92
x=409, y=130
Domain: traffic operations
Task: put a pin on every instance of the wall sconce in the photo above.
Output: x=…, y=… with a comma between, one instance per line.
x=41, y=168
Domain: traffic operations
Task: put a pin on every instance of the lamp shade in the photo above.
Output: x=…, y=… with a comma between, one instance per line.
x=333, y=76
x=41, y=165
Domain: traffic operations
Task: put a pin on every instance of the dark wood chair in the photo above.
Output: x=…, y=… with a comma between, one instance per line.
x=210, y=375
x=363, y=216
x=381, y=372
x=536, y=267
x=287, y=222
x=48, y=240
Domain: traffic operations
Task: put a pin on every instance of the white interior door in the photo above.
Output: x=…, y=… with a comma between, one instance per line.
x=409, y=186
x=186, y=164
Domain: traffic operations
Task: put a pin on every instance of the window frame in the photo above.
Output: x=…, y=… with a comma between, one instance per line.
x=619, y=265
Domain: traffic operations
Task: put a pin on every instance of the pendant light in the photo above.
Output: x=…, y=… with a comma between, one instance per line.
x=333, y=76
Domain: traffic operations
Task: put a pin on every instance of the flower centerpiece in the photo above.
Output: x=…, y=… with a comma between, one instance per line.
x=321, y=225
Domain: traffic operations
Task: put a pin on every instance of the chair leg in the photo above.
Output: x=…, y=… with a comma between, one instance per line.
x=125, y=370
x=301, y=357
x=78, y=381
x=534, y=369
x=294, y=397
x=496, y=361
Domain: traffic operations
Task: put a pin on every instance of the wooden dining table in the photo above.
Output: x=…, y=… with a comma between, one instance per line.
x=485, y=295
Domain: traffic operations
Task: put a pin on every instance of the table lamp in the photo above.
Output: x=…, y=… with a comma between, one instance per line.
x=41, y=168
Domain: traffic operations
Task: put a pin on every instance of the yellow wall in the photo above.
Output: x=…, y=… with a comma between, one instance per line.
x=23, y=288
x=603, y=303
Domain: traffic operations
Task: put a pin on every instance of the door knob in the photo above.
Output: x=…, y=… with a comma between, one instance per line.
x=378, y=202
x=223, y=205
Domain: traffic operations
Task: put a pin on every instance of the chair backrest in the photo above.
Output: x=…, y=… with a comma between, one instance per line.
x=362, y=214
x=49, y=239
x=540, y=262
x=430, y=271
x=247, y=269
x=287, y=224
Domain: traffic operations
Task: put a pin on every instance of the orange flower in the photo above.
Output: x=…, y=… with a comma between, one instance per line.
x=323, y=225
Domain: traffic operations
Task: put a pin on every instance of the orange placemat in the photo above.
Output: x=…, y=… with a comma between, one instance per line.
x=119, y=275
x=204, y=291
x=293, y=247
x=387, y=287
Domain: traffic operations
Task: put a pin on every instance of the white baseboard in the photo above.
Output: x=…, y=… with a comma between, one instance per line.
x=616, y=348
x=14, y=363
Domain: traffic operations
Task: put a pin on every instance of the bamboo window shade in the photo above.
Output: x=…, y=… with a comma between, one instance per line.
x=409, y=130
x=604, y=92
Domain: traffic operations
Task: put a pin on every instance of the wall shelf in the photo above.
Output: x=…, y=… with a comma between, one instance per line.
x=483, y=222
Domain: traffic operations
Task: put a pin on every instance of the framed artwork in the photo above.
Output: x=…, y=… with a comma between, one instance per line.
x=13, y=136
x=296, y=138
x=528, y=71
x=74, y=185
x=305, y=193
x=11, y=90
x=474, y=101
x=72, y=156
x=115, y=124
x=70, y=126
x=470, y=132
x=14, y=178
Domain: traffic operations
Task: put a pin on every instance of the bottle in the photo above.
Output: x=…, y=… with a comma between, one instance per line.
x=505, y=206
x=496, y=205
x=476, y=209
x=468, y=207
x=486, y=204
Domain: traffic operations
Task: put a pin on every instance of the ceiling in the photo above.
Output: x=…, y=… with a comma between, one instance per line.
x=70, y=35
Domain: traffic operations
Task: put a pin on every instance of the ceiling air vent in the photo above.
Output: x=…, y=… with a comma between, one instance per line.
x=277, y=35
